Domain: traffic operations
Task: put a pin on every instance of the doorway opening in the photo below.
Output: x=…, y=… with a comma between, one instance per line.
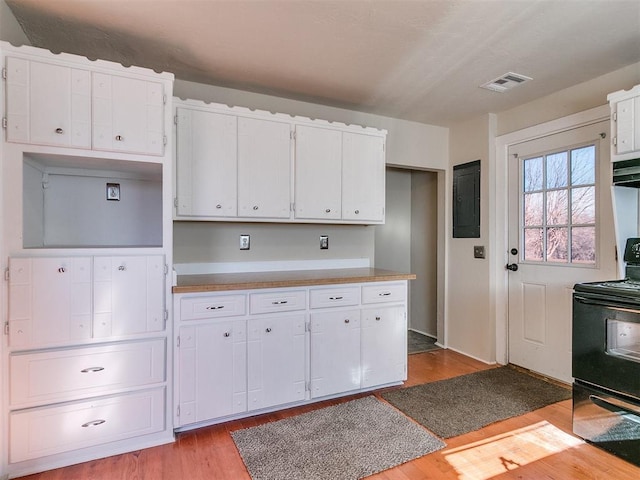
x=411, y=240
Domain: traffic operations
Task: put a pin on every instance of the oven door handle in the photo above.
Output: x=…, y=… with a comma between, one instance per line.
x=616, y=405
x=602, y=301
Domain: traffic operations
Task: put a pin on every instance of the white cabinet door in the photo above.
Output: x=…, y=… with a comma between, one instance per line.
x=335, y=352
x=128, y=295
x=276, y=360
x=264, y=168
x=384, y=345
x=627, y=114
x=206, y=164
x=318, y=173
x=363, y=175
x=212, y=362
x=49, y=301
x=128, y=114
x=48, y=104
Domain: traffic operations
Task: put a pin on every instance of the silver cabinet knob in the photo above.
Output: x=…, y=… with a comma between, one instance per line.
x=62, y=270
x=59, y=131
x=255, y=207
x=119, y=138
x=227, y=334
x=377, y=319
x=346, y=320
x=122, y=268
x=268, y=330
x=328, y=210
x=357, y=212
x=218, y=206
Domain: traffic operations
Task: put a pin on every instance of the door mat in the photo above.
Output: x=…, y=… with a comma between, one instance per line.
x=469, y=402
x=346, y=441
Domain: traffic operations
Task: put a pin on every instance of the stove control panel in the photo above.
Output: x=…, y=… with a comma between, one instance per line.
x=632, y=251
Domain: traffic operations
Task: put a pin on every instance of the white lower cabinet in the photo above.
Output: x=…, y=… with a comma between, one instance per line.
x=213, y=370
x=335, y=352
x=384, y=345
x=55, y=429
x=276, y=360
x=249, y=351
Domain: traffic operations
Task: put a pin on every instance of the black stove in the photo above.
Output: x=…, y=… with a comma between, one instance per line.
x=626, y=290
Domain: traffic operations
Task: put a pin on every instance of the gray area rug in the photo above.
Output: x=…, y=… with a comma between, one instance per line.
x=347, y=441
x=462, y=404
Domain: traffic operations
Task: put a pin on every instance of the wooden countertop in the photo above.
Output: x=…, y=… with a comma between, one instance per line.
x=216, y=282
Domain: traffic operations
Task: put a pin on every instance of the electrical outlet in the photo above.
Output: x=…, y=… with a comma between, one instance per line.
x=324, y=242
x=478, y=251
x=245, y=242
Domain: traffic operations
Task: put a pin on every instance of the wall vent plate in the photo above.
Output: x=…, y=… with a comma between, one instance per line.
x=245, y=242
x=506, y=82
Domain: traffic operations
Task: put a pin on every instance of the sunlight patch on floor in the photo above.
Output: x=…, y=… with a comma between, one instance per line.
x=496, y=455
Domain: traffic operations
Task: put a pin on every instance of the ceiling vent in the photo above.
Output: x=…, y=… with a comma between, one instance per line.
x=505, y=82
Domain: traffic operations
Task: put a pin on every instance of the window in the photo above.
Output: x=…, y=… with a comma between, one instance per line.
x=559, y=206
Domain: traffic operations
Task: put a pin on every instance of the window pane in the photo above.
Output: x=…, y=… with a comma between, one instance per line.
x=533, y=209
x=533, y=174
x=557, y=207
x=557, y=244
x=583, y=205
x=557, y=170
x=583, y=244
x=533, y=244
x=583, y=162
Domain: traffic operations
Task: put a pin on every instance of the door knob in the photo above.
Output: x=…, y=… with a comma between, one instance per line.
x=514, y=251
x=512, y=266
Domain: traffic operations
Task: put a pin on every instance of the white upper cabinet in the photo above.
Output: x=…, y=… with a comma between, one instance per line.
x=48, y=104
x=285, y=169
x=363, y=178
x=128, y=114
x=318, y=173
x=68, y=101
x=264, y=168
x=207, y=164
x=625, y=124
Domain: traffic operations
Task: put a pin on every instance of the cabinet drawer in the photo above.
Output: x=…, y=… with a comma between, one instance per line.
x=283, y=301
x=70, y=374
x=380, y=293
x=334, y=297
x=195, y=308
x=46, y=431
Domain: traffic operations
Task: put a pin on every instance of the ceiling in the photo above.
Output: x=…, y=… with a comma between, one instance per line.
x=420, y=60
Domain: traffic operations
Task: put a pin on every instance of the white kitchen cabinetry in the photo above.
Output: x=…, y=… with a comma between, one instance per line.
x=276, y=360
x=128, y=114
x=49, y=301
x=48, y=104
x=207, y=160
x=213, y=370
x=336, y=172
x=625, y=123
x=318, y=173
x=74, y=106
x=363, y=177
x=264, y=168
x=301, y=344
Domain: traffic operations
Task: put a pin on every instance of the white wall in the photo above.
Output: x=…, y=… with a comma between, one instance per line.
x=469, y=324
x=409, y=144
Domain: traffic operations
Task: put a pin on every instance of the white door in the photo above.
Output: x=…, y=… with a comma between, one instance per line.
x=363, y=169
x=384, y=345
x=206, y=163
x=276, y=360
x=128, y=295
x=212, y=377
x=264, y=168
x=560, y=234
x=335, y=352
x=128, y=114
x=318, y=173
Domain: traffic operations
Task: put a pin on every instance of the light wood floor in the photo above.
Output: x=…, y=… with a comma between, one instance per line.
x=538, y=445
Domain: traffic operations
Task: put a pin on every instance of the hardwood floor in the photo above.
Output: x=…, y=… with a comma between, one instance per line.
x=538, y=445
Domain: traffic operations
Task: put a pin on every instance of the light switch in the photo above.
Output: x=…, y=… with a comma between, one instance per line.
x=478, y=251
